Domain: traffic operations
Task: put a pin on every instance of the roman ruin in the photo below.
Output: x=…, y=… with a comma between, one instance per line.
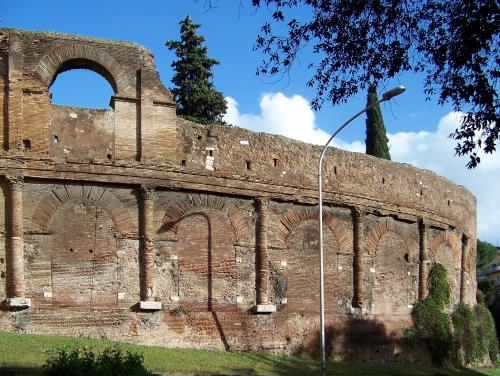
x=134, y=224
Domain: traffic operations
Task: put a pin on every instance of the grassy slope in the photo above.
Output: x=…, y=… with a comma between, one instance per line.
x=31, y=350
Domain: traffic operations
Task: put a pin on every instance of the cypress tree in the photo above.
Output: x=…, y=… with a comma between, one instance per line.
x=194, y=90
x=376, y=138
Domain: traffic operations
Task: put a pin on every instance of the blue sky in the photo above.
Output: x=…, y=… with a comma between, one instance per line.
x=417, y=128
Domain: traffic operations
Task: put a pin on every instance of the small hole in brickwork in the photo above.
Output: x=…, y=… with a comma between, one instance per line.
x=249, y=165
x=71, y=249
x=449, y=202
x=211, y=153
x=109, y=156
x=91, y=251
x=275, y=161
x=27, y=144
x=56, y=139
x=26, y=92
x=421, y=192
x=406, y=256
x=199, y=137
x=335, y=170
x=383, y=180
x=183, y=162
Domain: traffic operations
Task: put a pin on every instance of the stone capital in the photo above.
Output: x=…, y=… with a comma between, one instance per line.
x=262, y=202
x=147, y=192
x=15, y=182
x=358, y=213
x=423, y=222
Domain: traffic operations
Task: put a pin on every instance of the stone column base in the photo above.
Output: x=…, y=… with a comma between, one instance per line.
x=18, y=302
x=264, y=308
x=150, y=305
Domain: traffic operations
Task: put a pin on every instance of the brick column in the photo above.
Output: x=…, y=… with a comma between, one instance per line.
x=358, y=225
x=15, y=94
x=463, y=269
x=261, y=245
x=147, y=249
x=423, y=256
x=15, y=250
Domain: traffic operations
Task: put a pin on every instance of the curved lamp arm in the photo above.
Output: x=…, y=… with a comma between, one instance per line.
x=385, y=97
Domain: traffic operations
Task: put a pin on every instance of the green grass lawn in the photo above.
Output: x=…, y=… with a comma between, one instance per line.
x=31, y=350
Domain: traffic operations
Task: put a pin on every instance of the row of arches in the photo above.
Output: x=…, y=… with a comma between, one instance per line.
x=205, y=268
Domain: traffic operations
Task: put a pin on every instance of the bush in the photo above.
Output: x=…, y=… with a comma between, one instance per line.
x=474, y=332
x=430, y=321
x=473, y=335
x=465, y=333
x=433, y=325
x=495, y=311
x=486, y=332
x=487, y=288
x=83, y=362
x=410, y=337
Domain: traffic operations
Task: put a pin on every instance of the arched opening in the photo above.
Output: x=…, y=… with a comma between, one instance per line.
x=445, y=255
x=84, y=267
x=206, y=274
x=81, y=120
x=82, y=85
x=303, y=269
x=392, y=268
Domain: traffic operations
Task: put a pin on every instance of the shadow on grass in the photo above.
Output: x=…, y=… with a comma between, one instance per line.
x=303, y=366
x=20, y=371
x=381, y=353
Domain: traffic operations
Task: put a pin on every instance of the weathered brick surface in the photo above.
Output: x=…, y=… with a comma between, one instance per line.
x=81, y=133
x=135, y=204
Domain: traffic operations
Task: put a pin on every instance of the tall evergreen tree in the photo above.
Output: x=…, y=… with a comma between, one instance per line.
x=194, y=90
x=376, y=138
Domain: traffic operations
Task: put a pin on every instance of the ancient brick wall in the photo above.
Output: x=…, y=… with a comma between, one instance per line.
x=133, y=224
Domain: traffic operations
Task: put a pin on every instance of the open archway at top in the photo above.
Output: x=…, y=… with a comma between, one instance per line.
x=81, y=88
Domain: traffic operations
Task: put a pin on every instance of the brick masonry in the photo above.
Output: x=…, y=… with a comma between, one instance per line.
x=104, y=209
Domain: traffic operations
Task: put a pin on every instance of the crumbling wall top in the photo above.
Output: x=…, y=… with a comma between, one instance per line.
x=127, y=66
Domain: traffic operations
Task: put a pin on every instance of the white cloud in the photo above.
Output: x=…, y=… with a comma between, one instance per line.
x=435, y=151
x=293, y=117
x=287, y=116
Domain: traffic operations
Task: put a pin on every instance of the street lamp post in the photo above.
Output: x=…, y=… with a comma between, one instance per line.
x=385, y=97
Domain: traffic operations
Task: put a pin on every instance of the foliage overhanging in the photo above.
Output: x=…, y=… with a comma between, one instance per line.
x=454, y=43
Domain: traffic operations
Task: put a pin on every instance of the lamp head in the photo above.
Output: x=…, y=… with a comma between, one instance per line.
x=393, y=92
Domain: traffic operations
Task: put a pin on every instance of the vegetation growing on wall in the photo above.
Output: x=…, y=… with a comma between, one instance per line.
x=486, y=331
x=465, y=334
x=430, y=321
x=472, y=336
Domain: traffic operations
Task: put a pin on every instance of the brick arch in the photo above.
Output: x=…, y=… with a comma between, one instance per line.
x=102, y=196
x=380, y=228
x=175, y=212
x=295, y=217
x=83, y=56
x=452, y=240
